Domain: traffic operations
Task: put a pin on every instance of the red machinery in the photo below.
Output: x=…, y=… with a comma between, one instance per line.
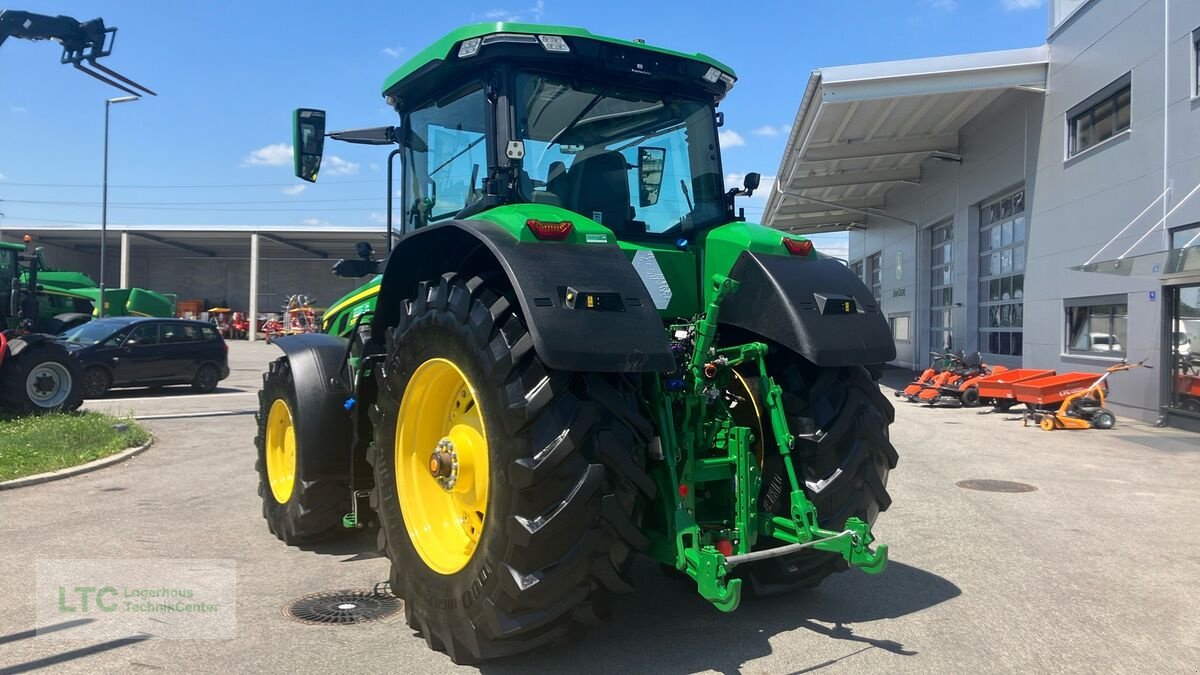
x=998, y=387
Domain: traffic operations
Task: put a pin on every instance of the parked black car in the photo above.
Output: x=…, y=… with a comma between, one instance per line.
x=147, y=352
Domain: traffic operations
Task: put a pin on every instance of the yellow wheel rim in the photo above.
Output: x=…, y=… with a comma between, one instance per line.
x=281, y=451
x=442, y=465
x=1047, y=423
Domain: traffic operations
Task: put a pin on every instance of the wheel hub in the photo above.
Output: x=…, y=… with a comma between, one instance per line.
x=443, y=464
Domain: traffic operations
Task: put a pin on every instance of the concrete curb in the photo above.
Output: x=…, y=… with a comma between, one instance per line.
x=37, y=479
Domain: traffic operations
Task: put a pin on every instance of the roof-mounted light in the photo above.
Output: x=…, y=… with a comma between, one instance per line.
x=727, y=79
x=508, y=37
x=554, y=43
x=712, y=75
x=469, y=48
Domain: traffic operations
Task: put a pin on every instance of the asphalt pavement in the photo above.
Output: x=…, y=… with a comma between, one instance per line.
x=1092, y=571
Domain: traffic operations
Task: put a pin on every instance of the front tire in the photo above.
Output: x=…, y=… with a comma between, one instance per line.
x=41, y=378
x=561, y=458
x=96, y=382
x=1104, y=419
x=842, y=454
x=299, y=505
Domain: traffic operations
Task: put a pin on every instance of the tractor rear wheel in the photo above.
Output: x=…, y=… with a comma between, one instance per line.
x=842, y=454
x=40, y=378
x=970, y=397
x=299, y=505
x=508, y=494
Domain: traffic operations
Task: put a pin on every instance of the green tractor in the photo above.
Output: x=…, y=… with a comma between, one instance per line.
x=37, y=374
x=576, y=351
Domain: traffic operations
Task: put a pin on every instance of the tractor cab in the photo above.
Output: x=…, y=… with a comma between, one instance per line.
x=10, y=280
x=617, y=132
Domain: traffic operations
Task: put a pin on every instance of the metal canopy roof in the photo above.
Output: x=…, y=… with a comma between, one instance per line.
x=209, y=241
x=862, y=129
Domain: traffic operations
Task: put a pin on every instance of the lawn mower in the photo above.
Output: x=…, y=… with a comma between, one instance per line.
x=1082, y=409
x=938, y=363
x=576, y=351
x=963, y=391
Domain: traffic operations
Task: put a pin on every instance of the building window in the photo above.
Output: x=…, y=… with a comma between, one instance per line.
x=1099, y=118
x=1196, y=63
x=1002, y=234
x=857, y=268
x=1097, y=326
x=900, y=327
x=874, y=263
x=941, y=284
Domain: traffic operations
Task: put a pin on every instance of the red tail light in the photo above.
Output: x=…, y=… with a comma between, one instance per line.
x=550, y=230
x=798, y=246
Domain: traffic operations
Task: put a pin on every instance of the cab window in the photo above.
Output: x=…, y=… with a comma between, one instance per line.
x=447, y=156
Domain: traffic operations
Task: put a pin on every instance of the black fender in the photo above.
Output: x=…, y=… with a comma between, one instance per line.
x=817, y=308
x=321, y=394
x=626, y=335
x=19, y=344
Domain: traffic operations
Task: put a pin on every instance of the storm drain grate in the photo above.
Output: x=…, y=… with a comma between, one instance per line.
x=988, y=485
x=343, y=608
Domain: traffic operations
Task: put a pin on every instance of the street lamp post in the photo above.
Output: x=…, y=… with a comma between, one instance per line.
x=104, y=198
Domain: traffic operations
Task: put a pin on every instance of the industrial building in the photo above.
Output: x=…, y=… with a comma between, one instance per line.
x=1037, y=205
x=251, y=269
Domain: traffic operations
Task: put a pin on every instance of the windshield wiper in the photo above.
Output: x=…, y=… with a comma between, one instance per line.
x=462, y=152
x=586, y=109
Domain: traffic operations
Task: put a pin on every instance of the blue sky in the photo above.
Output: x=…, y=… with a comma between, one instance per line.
x=212, y=147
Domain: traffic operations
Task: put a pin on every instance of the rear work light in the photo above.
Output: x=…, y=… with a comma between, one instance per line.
x=802, y=247
x=550, y=230
x=554, y=43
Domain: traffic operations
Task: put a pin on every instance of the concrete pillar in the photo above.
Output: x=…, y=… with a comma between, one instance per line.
x=253, y=313
x=124, y=259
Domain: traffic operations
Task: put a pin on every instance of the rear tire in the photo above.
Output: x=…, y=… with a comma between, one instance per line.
x=206, y=379
x=564, y=455
x=299, y=506
x=41, y=378
x=842, y=453
x=1103, y=419
x=970, y=397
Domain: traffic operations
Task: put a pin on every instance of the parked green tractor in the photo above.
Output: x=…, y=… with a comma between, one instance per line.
x=37, y=374
x=577, y=350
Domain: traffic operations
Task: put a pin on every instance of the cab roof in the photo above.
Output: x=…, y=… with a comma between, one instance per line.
x=442, y=49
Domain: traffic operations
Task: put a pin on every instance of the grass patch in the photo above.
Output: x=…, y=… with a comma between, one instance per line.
x=32, y=445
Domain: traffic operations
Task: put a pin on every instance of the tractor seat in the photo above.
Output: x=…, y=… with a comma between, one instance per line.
x=598, y=188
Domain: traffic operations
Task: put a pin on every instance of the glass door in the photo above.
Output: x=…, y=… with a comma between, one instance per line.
x=1183, y=353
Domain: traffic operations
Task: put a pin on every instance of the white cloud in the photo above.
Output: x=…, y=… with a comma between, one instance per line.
x=2, y=177
x=731, y=139
x=17, y=109
x=374, y=166
x=772, y=130
x=276, y=154
x=332, y=165
x=1017, y=5
x=294, y=189
x=393, y=52
x=315, y=222
x=944, y=5
x=377, y=218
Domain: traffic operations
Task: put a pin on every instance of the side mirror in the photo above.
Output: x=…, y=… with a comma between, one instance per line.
x=130, y=342
x=651, y=162
x=750, y=182
x=354, y=269
x=308, y=142
x=364, y=250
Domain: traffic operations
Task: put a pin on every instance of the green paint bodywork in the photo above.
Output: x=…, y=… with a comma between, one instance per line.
x=706, y=518
x=339, y=317
x=444, y=47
